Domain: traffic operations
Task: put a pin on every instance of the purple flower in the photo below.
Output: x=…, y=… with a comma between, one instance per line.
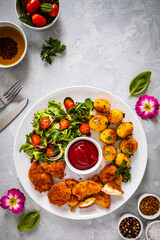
x=14, y=201
x=147, y=107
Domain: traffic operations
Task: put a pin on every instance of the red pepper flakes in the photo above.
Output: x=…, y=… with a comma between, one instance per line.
x=8, y=48
x=149, y=205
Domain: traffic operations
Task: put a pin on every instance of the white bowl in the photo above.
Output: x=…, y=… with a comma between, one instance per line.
x=125, y=216
x=13, y=25
x=88, y=170
x=151, y=223
x=145, y=216
x=37, y=28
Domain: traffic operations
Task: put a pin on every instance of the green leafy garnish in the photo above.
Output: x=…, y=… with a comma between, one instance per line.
x=123, y=115
x=109, y=138
x=46, y=7
x=139, y=83
x=124, y=162
x=89, y=104
x=96, y=121
x=125, y=171
x=106, y=153
x=128, y=150
x=21, y=6
x=27, y=20
x=52, y=47
x=118, y=138
x=29, y=221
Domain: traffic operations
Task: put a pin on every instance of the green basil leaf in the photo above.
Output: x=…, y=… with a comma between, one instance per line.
x=26, y=19
x=29, y=221
x=89, y=104
x=21, y=6
x=106, y=153
x=139, y=83
x=46, y=7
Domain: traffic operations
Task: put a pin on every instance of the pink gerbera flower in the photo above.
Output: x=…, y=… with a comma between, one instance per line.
x=147, y=107
x=14, y=201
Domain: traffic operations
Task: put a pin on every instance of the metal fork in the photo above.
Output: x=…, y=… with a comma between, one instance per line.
x=7, y=96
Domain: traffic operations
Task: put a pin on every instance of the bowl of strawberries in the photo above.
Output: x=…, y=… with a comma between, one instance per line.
x=38, y=14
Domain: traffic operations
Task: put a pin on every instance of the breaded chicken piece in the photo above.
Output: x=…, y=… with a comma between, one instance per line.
x=97, y=180
x=56, y=169
x=112, y=189
x=59, y=194
x=108, y=173
x=73, y=202
x=70, y=183
x=85, y=188
x=87, y=202
x=102, y=199
x=118, y=180
x=40, y=179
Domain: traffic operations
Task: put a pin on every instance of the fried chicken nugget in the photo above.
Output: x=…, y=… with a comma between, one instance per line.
x=73, y=202
x=112, y=189
x=70, y=183
x=97, y=180
x=87, y=202
x=118, y=180
x=56, y=169
x=86, y=188
x=59, y=194
x=102, y=199
x=40, y=179
x=108, y=173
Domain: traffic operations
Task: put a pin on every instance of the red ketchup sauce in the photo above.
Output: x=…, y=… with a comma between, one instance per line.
x=83, y=155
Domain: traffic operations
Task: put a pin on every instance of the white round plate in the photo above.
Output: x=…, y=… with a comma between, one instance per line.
x=138, y=161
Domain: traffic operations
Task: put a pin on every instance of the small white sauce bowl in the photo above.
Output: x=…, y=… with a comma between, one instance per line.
x=126, y=215
x=82, y=172
x=13, y=25
x=146, y=216
x=151, y=223
x=37, y=28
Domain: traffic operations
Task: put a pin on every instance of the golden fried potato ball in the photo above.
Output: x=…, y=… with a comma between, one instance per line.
x=122, y=159
x=124, y=129
x=102, y=105
x=115, y=116
x=129, y=146
x=109, y=152
x=108, y=136
x=98, y=123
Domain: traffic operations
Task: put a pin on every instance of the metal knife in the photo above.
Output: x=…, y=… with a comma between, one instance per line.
x=8, y=117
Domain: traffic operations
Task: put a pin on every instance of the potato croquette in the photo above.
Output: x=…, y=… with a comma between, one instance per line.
x=98, y=123
x=129, y=146
x=108, y=173
x=87, y=202
x=109, y=152
x=85, y=188
x=73, y=202
x=40, y=179
x=70, y=183
x=102, y=199
x=102, y=105
x=118, y=180
x=112, y=189
x=124, y=129
x=122, y=159
x=115, y=116
x=59, y=194
x=108, y=136
x=56, y=169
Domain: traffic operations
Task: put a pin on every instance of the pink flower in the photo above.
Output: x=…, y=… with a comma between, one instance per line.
x=147, y=107
x=14, y=201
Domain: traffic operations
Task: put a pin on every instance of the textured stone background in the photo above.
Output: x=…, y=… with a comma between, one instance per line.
x=108, y=43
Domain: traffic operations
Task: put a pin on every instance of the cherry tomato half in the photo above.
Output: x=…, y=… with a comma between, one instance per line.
x=64, y=124
x=35, y=139
x=45, y=123
x=84, y=129
x=54, y=11
x=39, y=20
x=49, y=153
x=69, y=103
x=32, y=6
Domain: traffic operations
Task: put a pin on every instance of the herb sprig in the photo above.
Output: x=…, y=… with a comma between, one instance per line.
x=52, y=47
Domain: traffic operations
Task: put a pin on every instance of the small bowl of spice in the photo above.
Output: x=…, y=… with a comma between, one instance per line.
x=149, y=206
x=153, y=230
x=13, y=44
x=130, y=226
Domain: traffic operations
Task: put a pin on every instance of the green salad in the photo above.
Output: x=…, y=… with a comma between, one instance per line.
x=55, y=127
